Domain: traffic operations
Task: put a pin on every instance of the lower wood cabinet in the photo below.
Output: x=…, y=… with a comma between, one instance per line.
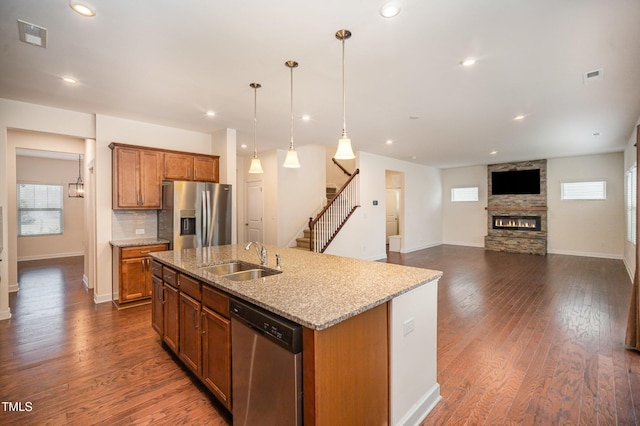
x=190, y=349
x=216, y=355
x=171, y=325
x=132, y=272
x=193, y=320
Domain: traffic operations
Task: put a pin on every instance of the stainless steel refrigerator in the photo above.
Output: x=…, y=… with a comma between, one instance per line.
x=195, y=214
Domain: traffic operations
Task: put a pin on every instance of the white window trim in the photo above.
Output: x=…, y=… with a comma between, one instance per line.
x=467, y=187
x=26, y=209
x=631, y=202
x=604, y=190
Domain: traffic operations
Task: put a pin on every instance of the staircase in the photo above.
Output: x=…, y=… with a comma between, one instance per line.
x=304, y=242
x=341, y=203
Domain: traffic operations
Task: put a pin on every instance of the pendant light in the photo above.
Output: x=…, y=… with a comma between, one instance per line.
x=344, y=152
x=255, y=167
x=291, y=161
x=76, y=189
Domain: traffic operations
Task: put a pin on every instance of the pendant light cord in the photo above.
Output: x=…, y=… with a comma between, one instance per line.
x=291, y=144
x=344, y=96
x=255, y=120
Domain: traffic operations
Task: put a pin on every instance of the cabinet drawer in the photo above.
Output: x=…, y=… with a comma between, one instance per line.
x=216, y=300
x=141, y=251
x=156, y=269
x=190, y=286
x=170, y=276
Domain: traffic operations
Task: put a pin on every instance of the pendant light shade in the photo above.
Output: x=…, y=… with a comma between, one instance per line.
x=291, y=161
x=76, y=189
x=255, y=167
x=344, y=152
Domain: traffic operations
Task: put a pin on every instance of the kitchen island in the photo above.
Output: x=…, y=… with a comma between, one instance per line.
x=369, y=328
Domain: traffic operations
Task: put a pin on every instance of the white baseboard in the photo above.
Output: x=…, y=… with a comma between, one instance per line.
x=628, y=268
x=50, y=256
x=463, y=243
x=102, y=298
x=422, y=408
x=5, y=315
x=422, y=247
x=586, y=254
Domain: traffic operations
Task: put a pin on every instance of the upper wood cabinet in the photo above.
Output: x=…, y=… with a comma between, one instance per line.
x=137, y=178
x=138, y=173
x=183, y=166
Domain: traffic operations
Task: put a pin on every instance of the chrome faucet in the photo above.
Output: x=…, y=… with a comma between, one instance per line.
x=261, y=252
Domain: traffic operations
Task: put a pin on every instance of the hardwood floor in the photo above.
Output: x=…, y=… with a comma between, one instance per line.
x=78, y=363
x=522, y=339
x=525, y=339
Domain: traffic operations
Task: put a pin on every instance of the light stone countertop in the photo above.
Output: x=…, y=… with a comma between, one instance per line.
x=314, y=290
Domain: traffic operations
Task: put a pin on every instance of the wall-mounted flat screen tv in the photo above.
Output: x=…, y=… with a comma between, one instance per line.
x=515, y=182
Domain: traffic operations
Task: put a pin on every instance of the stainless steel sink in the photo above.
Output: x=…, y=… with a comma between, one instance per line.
x=250, y=274
x=239, y=271
x=229, y=268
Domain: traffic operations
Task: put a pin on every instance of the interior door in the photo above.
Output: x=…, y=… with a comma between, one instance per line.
x=255, y=210
x=392, y=207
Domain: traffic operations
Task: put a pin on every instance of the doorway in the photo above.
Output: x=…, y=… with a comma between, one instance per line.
x=254, y=203
x=394, y=183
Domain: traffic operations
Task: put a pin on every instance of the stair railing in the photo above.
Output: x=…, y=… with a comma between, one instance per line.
x=332, y=218
x=345, y=171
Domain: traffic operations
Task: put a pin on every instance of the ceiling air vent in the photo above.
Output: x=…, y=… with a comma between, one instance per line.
x=32, y=34
x=593, y=76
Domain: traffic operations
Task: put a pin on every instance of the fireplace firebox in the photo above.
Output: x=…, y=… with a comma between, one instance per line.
x=517, y=223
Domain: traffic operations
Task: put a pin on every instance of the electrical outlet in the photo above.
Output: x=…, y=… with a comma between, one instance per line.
x=407, y=326
x=140, y=231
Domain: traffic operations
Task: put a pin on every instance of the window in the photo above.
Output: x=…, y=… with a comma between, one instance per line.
x=469, y=193
x=631, y=203
x=39, y=209
x=584, y=190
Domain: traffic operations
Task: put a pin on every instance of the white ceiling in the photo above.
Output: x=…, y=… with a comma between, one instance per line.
x=168, y=62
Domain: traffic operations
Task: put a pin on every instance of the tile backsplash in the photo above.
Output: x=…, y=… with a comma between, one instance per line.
x=125, y=223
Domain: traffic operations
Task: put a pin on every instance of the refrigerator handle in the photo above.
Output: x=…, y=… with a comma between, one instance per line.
x=209, y=225
x=203, y=220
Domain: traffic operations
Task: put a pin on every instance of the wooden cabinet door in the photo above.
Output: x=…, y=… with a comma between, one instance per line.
x=134, y=276
x=150, y=179
x=178, y=166
x=157, y=314
x=126, y=191
x=171, y=311
x=205, y=169
x=216, y=355
x=190, y=350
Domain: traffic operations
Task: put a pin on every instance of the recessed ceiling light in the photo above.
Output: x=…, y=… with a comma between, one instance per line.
x=414, y=117
x=494, y=152
x=389, y=142
x=468, y=62
x=306, y=117
x=389, y=10
x=211, y=114
x=413, y=157
x=518, y=117
x=69, y=80
x=243, y=146
x=82, y=9
x=596, y=134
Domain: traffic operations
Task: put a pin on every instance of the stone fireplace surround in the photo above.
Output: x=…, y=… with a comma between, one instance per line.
x=527, y=205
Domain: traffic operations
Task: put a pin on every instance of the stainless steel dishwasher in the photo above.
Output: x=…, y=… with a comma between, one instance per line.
x=266, y=358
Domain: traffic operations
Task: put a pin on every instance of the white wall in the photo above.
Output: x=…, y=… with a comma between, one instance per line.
x=630, y=160
x=20, y=115
x=587, y=228
x=53, y=172
x=363, y=236
x=465, y=223
x=301, y=192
